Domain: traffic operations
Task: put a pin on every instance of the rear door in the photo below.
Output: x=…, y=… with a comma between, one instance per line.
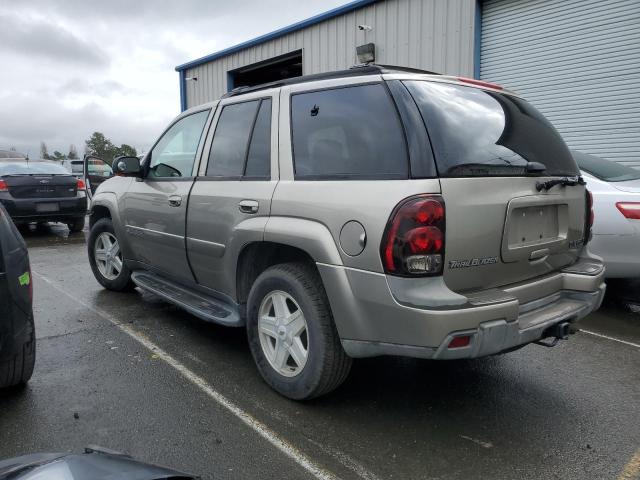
x=234, y=188
x=154, y=207
x=499, y=228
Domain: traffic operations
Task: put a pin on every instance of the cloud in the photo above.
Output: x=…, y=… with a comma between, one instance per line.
x=79, y=66
x=35, y=37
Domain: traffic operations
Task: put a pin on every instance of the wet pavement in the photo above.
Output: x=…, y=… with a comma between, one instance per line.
x=571, y=412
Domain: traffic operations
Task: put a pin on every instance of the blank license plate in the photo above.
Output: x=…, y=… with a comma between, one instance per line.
x=47, y=207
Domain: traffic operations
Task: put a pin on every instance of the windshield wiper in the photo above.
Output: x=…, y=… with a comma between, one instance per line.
x=564, y=181
x=479, y=169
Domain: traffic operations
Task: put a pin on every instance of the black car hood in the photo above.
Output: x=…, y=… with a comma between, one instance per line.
x=94, y=464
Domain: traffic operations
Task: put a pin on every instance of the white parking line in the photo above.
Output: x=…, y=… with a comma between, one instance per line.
x=265, y=432
x=610, y=338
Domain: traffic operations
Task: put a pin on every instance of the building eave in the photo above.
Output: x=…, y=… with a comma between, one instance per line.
x=349, y=7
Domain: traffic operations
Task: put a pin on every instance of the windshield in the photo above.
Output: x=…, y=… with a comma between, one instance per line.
x=476, y=132
x=31, y=168
x=605, y=169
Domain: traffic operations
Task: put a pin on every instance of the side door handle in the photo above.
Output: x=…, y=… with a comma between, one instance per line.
x=175, y=200
x=248, y=206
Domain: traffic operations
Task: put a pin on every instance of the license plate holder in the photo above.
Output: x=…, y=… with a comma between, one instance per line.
x=47, y=207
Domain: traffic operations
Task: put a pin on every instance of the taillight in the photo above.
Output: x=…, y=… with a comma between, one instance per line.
x=413, y=241
x=589, y=217
x=3, y=186
x=630, y=210
x=81, y=184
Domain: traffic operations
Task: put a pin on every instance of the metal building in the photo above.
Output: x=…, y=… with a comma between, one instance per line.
x=578, y=61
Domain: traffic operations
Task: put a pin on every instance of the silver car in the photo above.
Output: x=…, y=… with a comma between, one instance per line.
x=616, y=206
x=372, y=211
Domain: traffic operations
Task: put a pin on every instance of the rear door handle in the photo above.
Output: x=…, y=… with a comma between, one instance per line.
x=175, y=200
x=248, y=206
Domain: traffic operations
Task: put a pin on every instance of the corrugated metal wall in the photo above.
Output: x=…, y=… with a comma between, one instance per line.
x=434, y=35
x=578, y=61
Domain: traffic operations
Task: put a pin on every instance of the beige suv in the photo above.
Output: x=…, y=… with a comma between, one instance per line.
x=372, y=211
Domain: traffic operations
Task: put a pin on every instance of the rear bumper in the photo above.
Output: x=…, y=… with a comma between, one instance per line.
x=620, y=253
x=380, y=315
x=27, y=210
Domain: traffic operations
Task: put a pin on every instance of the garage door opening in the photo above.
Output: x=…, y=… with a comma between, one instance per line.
x=277, y=68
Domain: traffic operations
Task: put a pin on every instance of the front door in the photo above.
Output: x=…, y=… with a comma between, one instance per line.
x=231, y=199
x=155, y=206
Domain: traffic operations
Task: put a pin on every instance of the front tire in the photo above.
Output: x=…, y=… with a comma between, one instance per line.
x=17, y=370
x=106, y=259
x=291, y=333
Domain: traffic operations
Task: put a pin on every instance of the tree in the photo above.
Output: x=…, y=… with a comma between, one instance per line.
x=58, y=156
x=73, y=152
x=101, y=147
x=44, y=153
x=126, y=150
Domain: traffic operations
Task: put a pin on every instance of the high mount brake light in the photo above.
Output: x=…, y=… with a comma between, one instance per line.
x=480, y=83
x=630, y=210
x=413, y=241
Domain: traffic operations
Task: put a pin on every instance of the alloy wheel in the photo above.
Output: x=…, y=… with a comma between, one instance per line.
x=283, y=333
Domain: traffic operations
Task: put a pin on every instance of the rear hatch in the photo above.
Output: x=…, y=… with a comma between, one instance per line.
x=632, y=186
x=488, y=147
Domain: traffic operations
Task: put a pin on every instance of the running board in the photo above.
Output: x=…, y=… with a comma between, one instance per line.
x=201, y=305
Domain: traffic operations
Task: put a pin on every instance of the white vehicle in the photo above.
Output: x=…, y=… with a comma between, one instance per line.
x=616, y=206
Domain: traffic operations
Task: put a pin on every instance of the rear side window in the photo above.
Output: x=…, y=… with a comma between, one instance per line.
x=259, y=155
x=477, y=132
x=351, y=132
x=242, y=141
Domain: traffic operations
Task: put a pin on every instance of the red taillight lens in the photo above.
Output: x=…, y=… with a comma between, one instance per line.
x=413, y=242
x=3, y=186
x=81, y=184
x=459, y=342
x=630, y=210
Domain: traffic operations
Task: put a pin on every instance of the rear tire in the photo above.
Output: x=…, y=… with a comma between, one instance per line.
x=105, y=273
x=18, y=369
x=326, y=365
x=77, y=225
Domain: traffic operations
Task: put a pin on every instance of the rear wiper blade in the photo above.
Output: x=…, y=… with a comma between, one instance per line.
x=564, y=181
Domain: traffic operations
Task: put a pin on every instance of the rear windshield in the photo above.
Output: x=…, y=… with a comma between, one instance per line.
x=31, y=168
x=476, y=132
x=605, y=169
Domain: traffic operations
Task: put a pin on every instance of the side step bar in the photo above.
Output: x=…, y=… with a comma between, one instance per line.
x=201, y=305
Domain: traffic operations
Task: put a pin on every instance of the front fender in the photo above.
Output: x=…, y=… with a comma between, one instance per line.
x=109, y=200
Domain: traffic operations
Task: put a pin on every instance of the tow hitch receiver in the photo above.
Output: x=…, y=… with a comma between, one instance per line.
x=559, y=331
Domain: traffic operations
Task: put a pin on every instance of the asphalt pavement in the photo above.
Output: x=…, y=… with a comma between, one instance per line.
x=131, y=373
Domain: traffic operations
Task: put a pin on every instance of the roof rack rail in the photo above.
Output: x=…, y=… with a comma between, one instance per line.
x=354, y=71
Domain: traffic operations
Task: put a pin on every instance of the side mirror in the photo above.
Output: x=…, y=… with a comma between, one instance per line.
x=129, y=166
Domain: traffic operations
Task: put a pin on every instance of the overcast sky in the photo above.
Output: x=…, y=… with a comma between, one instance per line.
x=71, y=67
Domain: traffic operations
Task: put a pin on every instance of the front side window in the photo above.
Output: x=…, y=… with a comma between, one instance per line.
x=175, y=153
x=477, y=132
x=351, y=132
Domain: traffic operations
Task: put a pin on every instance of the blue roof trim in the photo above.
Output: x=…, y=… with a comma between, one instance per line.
x=183, y=93
x=349, y=7
x=477, y=41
